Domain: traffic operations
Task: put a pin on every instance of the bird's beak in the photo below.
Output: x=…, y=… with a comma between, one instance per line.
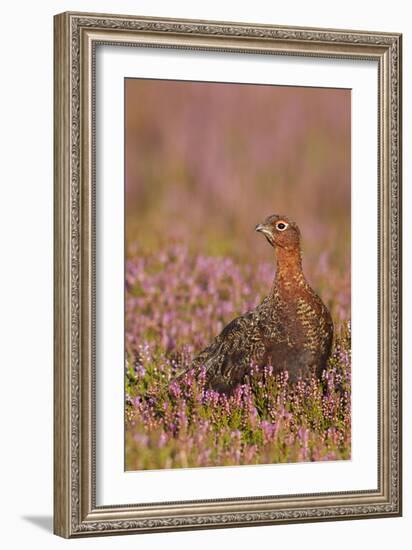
x=263, y=229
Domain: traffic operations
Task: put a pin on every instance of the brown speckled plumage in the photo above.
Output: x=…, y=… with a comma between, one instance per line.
x=291, y=329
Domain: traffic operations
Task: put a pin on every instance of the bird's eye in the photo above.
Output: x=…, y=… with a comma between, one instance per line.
x=281, y=226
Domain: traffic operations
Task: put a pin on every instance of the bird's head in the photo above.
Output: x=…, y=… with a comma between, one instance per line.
x=280, y=231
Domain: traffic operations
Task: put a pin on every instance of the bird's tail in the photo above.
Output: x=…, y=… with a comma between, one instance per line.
x=194, y=365
x=208, y=359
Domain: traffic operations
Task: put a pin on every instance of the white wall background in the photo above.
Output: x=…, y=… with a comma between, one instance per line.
x=26, y=270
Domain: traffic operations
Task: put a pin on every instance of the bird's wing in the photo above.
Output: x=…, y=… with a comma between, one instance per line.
x=227, y=359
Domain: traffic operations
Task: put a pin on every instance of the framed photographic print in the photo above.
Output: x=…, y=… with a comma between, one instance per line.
x=227, y=274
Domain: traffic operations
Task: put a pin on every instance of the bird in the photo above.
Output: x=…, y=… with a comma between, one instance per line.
x=290, y=330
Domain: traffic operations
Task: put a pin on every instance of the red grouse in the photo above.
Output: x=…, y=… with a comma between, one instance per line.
x=291, y=329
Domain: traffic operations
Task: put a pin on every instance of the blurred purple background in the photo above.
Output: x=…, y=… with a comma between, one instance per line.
x=205, y=162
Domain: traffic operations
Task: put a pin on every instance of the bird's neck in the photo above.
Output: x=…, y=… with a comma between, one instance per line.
x=289, y=271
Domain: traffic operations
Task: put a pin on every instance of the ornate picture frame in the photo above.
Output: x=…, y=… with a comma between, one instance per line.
x=76, y=37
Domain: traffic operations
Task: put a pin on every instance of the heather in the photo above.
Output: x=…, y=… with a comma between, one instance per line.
x=175, y=303
x=204, y=163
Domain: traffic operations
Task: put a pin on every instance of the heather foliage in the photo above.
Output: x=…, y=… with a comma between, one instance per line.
x=204, y=163
x=176, y=302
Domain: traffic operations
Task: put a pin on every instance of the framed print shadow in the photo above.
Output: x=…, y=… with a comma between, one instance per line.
x=227, y=291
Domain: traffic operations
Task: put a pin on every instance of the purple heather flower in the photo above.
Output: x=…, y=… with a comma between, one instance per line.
x=170, y=316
